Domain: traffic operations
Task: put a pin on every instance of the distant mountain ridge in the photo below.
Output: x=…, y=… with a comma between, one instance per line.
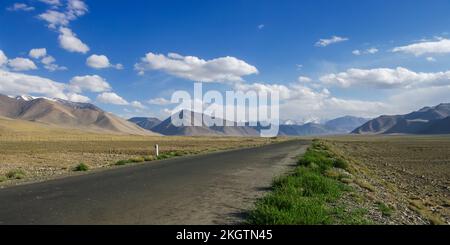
x=346, y=124
x=342, y=125
x=145, y=122
x=67, y=114
x=167, y=128
x=428, y=120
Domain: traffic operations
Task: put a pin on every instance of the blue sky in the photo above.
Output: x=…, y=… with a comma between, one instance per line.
x=375, y=57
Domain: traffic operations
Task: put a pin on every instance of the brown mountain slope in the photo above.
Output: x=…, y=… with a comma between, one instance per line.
x=167, y=128
x=67, y=114
x=428, y=120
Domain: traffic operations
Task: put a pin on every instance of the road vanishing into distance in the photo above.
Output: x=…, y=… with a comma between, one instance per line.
x=217, y=188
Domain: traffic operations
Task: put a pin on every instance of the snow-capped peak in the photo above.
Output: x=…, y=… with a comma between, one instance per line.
x=311, y=120
x=78, y=105
x=290, y=122
x=25, y=97
x=30, y=98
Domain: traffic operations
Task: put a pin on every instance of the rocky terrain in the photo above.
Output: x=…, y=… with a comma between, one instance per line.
x=401, y=180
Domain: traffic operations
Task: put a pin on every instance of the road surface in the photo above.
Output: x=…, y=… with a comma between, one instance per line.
x=209, y=189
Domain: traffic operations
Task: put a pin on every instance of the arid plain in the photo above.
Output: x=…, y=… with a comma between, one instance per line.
x=35, y=151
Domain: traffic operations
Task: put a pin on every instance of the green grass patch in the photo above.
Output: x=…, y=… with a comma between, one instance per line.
x=162, y=156
x=81, y=168
x=122, y=162
x=304, y=197
x=137, y=159
x=350, y=217
x=149, y=158
x=15, y=174
x=167, y=155
x=134, y=160
x=385, y=209
x=3, y=178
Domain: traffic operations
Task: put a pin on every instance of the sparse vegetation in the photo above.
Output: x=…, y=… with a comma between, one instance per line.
x=122, y=162
x=81, y=168
x=404, y=178
x=417, y=206
x=15, y=174
x=137, y=159
x=385, y=209
x=149, y=158
x=305, y=196
x=171, y=154
x=366, y=185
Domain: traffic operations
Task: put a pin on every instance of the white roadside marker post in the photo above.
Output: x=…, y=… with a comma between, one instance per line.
x=157, y=150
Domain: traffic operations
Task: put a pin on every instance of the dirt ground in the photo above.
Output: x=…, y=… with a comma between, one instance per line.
x=409, y=176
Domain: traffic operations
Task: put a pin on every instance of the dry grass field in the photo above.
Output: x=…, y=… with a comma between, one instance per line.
x=402, y=175
x=29, y=151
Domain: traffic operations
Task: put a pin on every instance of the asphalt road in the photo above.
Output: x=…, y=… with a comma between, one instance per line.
x=207, y=189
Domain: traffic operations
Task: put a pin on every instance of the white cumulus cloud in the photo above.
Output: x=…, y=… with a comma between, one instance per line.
x=37, y=53
x=283, y=90
x=159, y=101
x=358, y=52
x=59, y=19
x=21, y=64
x=98, y=61
x=300, y=102
x=224, y=69
x=47, y=60
x=372, y=50
x=137, y=104
x=304, y=79
x=20, y=7
x=78, y=98
x=76, y=8
x=386, y=78
x=3, y=58
x=329, y=41
x=111, y=98
x=92, y=83
x=13, y=83
x=441, y=46
x=54, y=18
x=70, y=42
x=51, y=2
x=101, y=62
x=49, y=64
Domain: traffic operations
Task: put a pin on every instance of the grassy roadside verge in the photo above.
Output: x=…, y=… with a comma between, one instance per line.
x=162, y=156
x=310, y=194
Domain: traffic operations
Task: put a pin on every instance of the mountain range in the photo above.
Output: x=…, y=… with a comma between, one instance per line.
x=341, y=125
x=167, y=128
x=88, y=117
x=428, y=120
x=62, y=113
